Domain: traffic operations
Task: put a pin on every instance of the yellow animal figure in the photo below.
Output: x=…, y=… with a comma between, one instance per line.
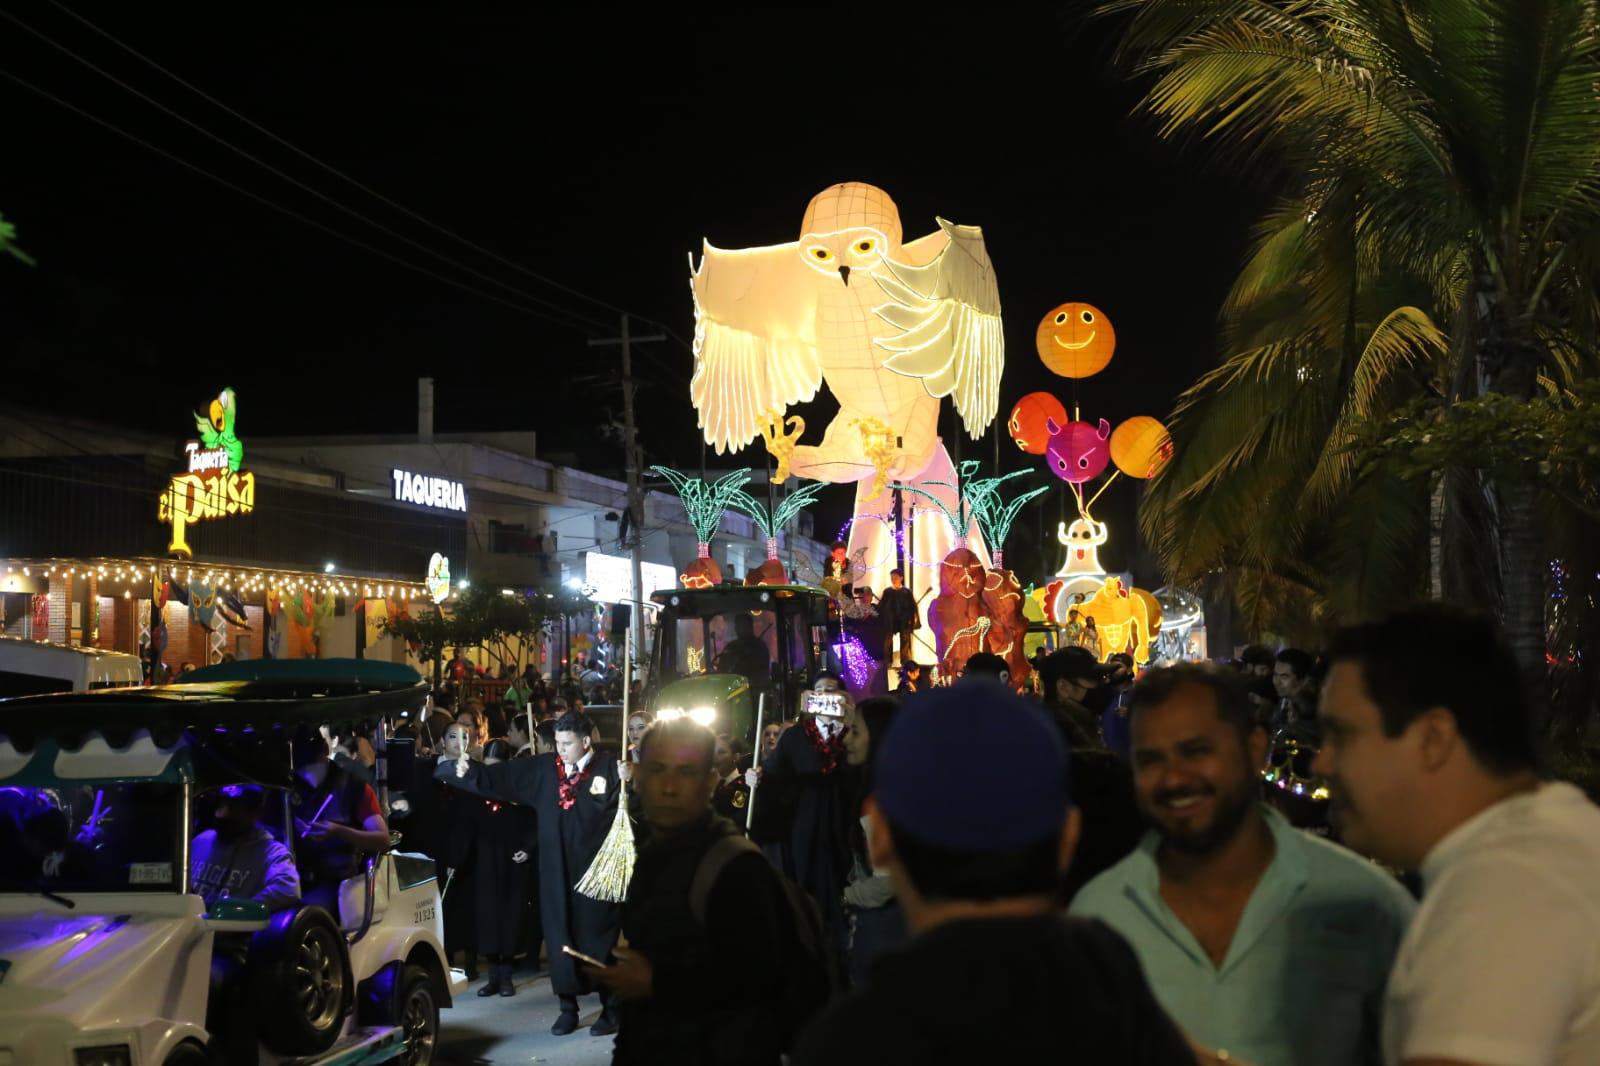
x=1122, y=618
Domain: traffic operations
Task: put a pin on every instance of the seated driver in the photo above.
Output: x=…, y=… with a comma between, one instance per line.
x=746, y=653
x=239, y=859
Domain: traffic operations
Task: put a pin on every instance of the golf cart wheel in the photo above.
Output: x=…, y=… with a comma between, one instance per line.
x=302, y=976
x=419, y=1016
x=187, y=1054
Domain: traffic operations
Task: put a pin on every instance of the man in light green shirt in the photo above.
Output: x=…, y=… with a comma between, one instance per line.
x=1260, y=940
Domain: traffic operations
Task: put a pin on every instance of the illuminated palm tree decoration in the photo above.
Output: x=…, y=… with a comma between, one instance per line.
x=8, y=234
x=705, y=504
x=994, y=514
x=774, y=520
x=960, y=518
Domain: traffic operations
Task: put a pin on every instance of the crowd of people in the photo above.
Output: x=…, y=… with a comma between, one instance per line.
x=1108, y=872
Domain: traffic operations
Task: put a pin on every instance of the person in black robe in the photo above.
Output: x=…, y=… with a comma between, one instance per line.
x=807, y=796
x=441, y=823
x=506, y=848
x=574, y=796
x=898, y=609
x=732, y=797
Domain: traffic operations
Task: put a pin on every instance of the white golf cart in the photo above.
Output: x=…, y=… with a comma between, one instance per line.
x=106, y=956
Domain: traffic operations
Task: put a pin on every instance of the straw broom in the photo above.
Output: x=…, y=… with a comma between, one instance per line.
x=612, y=869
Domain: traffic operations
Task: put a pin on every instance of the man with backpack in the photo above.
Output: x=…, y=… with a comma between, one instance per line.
x=722, y=963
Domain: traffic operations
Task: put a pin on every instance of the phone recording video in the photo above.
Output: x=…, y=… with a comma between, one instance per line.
x=825, y=704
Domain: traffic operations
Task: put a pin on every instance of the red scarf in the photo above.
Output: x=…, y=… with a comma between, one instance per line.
x=828, y=749
x=569, y=785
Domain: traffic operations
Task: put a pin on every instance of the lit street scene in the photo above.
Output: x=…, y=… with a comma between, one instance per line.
x=785, y=537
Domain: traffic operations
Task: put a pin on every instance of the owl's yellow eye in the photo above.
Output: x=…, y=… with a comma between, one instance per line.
x=864, y=247
x=821, y=255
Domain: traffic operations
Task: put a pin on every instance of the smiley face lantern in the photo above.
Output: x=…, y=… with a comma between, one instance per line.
x=1078, y=451
x=1027, y=422
x=1075, y=340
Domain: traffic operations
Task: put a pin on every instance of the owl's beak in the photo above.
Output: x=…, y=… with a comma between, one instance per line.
x=844, y=272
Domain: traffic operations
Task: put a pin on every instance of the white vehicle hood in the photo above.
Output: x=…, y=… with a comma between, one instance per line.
x=90, y=968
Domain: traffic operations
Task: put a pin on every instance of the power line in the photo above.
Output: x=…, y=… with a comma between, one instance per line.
x=335, y=171
x=290, y=212
x=164, y=109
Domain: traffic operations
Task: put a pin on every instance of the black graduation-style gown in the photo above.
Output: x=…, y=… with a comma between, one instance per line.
x=501, y=884
x=568, y=842
x=813, y=813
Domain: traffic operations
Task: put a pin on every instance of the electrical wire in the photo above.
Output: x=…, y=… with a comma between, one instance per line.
x=297, y=183
x=408, y=212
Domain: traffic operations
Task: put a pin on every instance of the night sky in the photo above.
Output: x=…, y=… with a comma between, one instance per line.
x=594, y=151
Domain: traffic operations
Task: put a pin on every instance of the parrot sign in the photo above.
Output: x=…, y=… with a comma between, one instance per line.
x=214, y=486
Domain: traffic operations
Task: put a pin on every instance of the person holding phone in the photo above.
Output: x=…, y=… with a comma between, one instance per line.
x=808, y=795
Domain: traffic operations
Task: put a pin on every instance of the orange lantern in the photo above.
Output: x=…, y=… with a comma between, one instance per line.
x=1027, y=424
x=1076, y=340
x=1141, y=446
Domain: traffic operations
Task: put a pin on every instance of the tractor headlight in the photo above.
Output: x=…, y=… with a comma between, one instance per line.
x=103, y=1055
x=703, y=715
x=668, y=714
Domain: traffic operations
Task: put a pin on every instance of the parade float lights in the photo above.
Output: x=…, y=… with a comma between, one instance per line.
x=704, y=504
x=773, y=520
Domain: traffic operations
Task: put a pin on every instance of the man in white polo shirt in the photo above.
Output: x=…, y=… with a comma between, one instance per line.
x=1428, y=745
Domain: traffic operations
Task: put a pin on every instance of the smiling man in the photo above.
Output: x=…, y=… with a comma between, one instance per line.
x=1428, y=745
x=1259, y=940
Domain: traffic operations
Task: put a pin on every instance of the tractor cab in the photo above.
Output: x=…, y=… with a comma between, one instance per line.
x=722, y=654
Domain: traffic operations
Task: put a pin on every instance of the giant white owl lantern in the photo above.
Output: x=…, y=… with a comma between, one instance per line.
x=892, y=327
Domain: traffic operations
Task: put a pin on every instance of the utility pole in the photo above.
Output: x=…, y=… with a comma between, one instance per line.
x=633, y=462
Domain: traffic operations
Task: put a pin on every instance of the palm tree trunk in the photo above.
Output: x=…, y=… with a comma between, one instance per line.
x=1521, y=559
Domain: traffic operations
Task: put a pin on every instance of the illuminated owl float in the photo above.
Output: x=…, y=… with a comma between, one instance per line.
x=891, y=327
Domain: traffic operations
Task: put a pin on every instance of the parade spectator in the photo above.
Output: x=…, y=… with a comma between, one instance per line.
x=732, y=797
x=1223, y=897
x=700, y=981
x=574, y=797
x=978, y=882
x=1111, y=822
x=238, y=859
x=913, y=678
x=987, y=666
x=1429, y=745
x=1256, y=661
x=638, y=722
x=1114, y=719
x=503, y=854
x=337, y=817
x=898, y=609
x=1294, y=683
x=809, y=797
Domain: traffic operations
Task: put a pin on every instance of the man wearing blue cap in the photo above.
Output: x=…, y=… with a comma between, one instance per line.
x=972, y=816
x=1261, y=940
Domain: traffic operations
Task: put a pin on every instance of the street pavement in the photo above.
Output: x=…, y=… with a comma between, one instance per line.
x=516, y=1029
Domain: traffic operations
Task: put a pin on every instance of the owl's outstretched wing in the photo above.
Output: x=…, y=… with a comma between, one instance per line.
x=754, y=339
x=948, y=313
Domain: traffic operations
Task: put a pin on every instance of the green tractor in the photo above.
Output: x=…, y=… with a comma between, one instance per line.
x=723, y=653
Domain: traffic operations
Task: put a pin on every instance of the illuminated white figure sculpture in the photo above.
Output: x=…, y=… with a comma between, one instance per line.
x=1082, y=540
x=891, y=327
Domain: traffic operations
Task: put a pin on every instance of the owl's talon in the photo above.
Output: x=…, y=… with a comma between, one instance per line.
x=877, y=444
x=780, y=445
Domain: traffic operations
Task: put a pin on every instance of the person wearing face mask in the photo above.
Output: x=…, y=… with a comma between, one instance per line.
x=574, y=797
x=239, y=859
x=807, y=797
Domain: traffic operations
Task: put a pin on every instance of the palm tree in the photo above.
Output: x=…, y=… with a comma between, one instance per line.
x=1438, y=231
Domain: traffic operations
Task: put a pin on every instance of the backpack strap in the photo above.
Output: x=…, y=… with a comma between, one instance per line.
x=712, y=863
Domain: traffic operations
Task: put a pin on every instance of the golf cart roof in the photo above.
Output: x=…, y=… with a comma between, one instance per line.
x=241, y=718
x=719, y=598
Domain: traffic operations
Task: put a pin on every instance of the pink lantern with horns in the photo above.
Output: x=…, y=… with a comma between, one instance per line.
x=1078, y=451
